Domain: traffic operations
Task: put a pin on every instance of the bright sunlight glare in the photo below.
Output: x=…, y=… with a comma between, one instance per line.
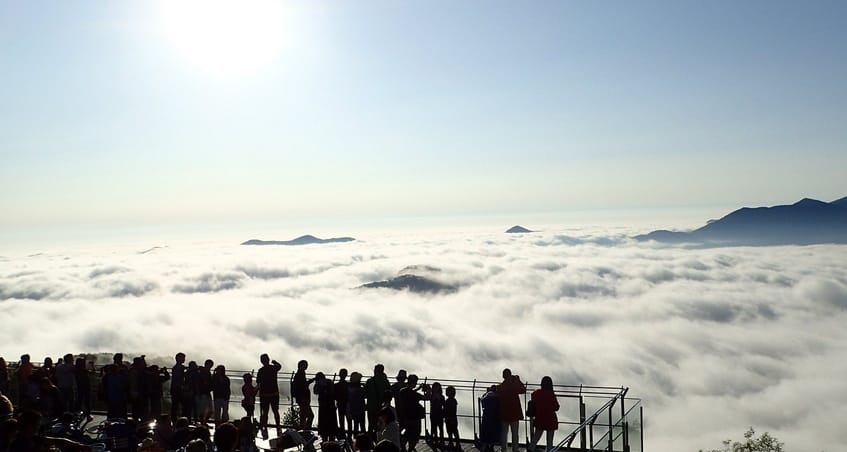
x=226, y=39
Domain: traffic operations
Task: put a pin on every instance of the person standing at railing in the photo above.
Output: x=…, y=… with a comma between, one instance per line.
x=398, y=385
x=413, y=412
x=327, y=419
x=356, y=403
x=451, y=418
x=203, y=396
x=155, y=378
x=300, y=392
x=66, y=382
x=82, y=378
x=339, y=391
x=177, y=381
x=511, y=412
x=546, y=405
x=436, y=414
x=266, y=378
x=221, y=392
x=248, y=391
x=374, y=388
x=489, y=426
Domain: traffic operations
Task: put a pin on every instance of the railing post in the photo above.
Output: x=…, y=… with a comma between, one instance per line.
x=610, y=431
x=581, y=420
x=474, y=402
x=425, y=416
x=623, y=421
x=641, y=424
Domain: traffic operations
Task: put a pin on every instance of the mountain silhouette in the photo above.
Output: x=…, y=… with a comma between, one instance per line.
x=302, y=240
x=805, y=222
x=412, y=283
x=517, y=230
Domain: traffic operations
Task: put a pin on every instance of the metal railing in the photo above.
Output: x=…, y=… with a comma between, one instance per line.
x=586, y=411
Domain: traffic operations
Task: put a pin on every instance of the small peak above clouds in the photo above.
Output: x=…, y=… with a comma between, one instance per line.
x=302, y=240
x=412, y=283
x=517, y=230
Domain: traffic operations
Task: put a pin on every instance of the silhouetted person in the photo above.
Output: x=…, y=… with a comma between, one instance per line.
x=489, y=427
x=138, y=388
x=226, y=438
x=398, y=385
x=356, y=403
x=246, y=433
x=387, y=426
x=203, y=396
x=47, y=370
x=155, y=378
x=4, y=377
x=374, y=387
x=181, y=435
x=49, y=399
x=436, y=413
x=66, y=382
x=83, y=387
x=26, y=397
x=387, y=397
x=339, y=392
x=266, y=378
x=248, y=393
x=300, y=391
x=363, y=443
x=413, y=412
x=189, y=386
x=177, y=382
x=511, y=412
x=28, y=439
x=546, y=405
x=327, y=419
x=386, y=446
x=331, y=446
x=221, y=392
x=451, y=418
x=116, y=387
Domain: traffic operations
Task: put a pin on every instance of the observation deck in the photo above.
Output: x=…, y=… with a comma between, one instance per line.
x=591, y=418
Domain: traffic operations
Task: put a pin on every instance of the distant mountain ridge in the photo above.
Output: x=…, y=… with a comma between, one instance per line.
x=805, y=222
x=302, y=240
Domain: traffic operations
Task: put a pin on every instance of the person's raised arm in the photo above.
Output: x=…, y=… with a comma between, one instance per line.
x=276, y=365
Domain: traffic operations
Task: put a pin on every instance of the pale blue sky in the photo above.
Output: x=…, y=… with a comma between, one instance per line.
x=417, y=108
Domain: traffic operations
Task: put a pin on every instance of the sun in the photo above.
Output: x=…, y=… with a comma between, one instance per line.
x=226, y=39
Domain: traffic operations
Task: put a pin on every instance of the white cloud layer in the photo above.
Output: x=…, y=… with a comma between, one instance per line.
x=713, y=340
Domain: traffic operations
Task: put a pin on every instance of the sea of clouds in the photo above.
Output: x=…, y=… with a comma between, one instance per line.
x=713, y=340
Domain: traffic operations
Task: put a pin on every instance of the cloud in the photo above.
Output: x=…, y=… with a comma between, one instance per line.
x=210, y=282
x=712, y=339
x=109, y=270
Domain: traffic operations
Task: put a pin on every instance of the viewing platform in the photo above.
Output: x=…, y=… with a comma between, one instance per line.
x=590, y=418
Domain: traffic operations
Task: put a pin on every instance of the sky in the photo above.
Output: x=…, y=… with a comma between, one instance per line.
x=144, y=113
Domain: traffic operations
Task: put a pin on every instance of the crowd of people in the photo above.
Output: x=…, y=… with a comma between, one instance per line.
x=377, y=413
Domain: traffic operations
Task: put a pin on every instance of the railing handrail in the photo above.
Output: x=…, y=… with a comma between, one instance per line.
x=568, y=439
